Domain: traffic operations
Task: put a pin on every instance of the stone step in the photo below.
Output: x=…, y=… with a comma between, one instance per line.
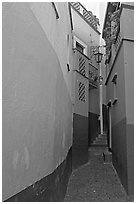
x=101, y=136
x=100, y=142
x=99, y=145
x=95, y=148
x=101, y=139
x=104, y=134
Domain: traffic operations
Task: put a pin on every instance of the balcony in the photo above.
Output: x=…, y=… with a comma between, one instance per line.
x=81, y=62
x=111, y=32
x=85, y=68
x=87, y=15
x=113, y=51
x=117, y=42
x=93, y=76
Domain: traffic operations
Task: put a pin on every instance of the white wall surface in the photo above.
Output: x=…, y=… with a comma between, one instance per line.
x=37, y=108
x=57, y=31
x=84, y=31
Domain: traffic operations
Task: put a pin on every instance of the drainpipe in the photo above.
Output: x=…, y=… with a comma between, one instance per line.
x=101, y=99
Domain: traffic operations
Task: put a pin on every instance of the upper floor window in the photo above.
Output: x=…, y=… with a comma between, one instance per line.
x=79, y=47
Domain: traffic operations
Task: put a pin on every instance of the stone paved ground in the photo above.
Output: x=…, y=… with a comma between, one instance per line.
x=95, y=182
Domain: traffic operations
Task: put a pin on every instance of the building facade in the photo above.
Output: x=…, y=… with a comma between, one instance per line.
x=86, y=37
x=46, y=97
x=120, y=88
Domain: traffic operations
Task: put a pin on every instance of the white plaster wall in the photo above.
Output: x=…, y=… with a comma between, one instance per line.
x=37, y=107
x=57, y=31
x=127, y=23
x=127, y=31
x=119, y=109
x=94, y=106
x=83, y=31
x=129, y=80
x=86, y=34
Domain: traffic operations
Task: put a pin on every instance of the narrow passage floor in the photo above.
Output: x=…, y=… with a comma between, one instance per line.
x=95, y=181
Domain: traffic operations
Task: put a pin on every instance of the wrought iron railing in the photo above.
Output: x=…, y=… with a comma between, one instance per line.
x=85, y=68
x=88, y=15
x=93, y=76
x=81, y=65
x=117, y=42
x=114, y=49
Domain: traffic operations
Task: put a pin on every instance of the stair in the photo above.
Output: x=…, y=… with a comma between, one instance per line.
x=100, y=145
x=100, y=141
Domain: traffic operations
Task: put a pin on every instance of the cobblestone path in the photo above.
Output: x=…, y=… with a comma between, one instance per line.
x=95, y=181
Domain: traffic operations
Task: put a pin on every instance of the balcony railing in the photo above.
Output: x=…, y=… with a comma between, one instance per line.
x=87, y=15
x=93, y=76
x=85, y=68
x=81, y=63
x=117, y=42
x=113, y=51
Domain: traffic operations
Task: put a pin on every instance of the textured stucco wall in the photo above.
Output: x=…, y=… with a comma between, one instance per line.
x=127, y=15
x=129, y=80
x=118, y=118
x=37, y=108
x=129, y=95
x=93, y=127
x=58, y=32
x=118, y=110
x=80, y=140
x=88, y=35
x=122, y=114
x=94, y=106
x=91, y=38
x=119, y=150
x=128, y=32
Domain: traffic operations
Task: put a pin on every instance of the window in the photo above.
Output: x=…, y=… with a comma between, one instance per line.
x=79, y=47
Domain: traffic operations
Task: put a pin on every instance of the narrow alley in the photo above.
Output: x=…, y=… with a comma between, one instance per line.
x=67, y=101
x=95, y=181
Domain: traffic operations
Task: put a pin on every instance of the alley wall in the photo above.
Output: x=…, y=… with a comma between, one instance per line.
x=120, y=86
x=85, y=34
x=37, y=105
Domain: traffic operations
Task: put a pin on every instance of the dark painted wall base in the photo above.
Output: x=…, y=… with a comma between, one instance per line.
x=105, y=117
x=80, y=140
x=93, y=127
x=51, y=188
x=119, y=151
x=123, y=154
x=130, y=155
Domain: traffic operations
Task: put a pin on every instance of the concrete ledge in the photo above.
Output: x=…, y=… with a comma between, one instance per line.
x=107, y=156
x=80, y=141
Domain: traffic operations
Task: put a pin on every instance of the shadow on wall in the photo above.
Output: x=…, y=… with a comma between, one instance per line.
x=94, y=127
x=105, y=118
